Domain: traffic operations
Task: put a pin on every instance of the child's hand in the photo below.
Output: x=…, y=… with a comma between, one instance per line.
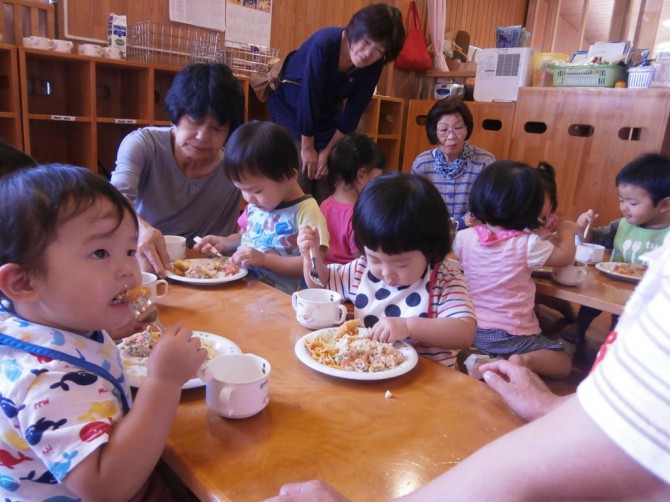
x=249, y=257
x=176, y=357
x=205, y=245
x=586, y=219
x=390, y=329
x=308, y=239
x=470, y=220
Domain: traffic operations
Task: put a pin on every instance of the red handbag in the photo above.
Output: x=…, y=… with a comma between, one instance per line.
x=414, y=54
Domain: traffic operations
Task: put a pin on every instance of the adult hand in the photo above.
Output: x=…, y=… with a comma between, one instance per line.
x=523, y=390
x=309, y=491
x=390, y=329
x=151, y=251
x=322, y=168
x=310, y=162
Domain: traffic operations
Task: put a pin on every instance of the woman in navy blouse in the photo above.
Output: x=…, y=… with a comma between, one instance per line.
x=335, y=64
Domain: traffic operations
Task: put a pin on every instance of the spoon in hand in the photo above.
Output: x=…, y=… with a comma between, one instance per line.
x=145, y=311
x=314, y=272
x=213, y=250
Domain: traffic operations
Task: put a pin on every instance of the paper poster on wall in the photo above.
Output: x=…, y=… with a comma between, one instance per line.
x=249, y=21
x=206, y=13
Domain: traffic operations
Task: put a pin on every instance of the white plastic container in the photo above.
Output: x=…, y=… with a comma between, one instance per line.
x=640, y=77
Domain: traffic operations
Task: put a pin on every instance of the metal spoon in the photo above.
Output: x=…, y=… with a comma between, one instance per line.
x=314, y=273
x=145, y=311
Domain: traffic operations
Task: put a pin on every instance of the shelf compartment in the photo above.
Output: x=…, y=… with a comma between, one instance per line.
x=10, y=130
x=391, y=149
x=71, y=147
x=390, y=117
x=57, y=85
x=122, y=91
x=9, y=101
x=110, y=136
x=162, y=83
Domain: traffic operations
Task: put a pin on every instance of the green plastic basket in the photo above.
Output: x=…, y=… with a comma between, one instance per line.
x=592, y=75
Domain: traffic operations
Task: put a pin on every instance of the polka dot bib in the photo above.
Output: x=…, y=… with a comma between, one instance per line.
x=378, y=300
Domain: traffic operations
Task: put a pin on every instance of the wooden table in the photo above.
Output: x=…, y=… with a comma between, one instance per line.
x=598, y=291
x=317, y=426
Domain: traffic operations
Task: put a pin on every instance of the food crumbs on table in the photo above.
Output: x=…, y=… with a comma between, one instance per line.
x=388, y=395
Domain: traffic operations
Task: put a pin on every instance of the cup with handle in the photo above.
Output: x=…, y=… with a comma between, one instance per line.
x=318, y=308
x=572, y=275
x=237, y=385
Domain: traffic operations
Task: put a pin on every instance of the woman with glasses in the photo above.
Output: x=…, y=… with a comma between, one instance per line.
x=454, y=164
x=332, y=66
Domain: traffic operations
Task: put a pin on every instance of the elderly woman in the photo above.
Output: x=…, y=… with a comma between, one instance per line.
x=174, y=175
x=454, y=164
x=333, y=66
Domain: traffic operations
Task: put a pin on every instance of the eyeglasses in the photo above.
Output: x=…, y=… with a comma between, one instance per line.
x=456, y=131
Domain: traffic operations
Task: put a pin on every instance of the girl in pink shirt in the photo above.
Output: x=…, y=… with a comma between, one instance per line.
x=351, y=165
x=498, y=258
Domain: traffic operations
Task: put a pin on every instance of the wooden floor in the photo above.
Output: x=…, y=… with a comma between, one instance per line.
x=553, y=324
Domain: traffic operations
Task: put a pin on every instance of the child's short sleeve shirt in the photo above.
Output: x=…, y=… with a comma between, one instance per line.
x=54, y=414
x=277, y=231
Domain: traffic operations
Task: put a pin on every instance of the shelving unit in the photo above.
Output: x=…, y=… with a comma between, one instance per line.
x=10, y=111
x=588, y=134
x=77, y=109
x=383, y=122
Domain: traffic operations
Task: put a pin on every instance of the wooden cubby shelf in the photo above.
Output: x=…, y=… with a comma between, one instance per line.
x=77, y=109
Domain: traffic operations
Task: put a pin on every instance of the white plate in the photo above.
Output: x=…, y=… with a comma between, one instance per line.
x=216, y=280
x=136, y=368
x=607, y=268
x=411, y=358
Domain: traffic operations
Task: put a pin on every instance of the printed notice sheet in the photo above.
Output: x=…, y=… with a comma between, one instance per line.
x=249, y=21
x=206, y=13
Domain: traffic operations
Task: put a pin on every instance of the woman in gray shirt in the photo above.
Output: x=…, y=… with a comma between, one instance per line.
x=174, y=175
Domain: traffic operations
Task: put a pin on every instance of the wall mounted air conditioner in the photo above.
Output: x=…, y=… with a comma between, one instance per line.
x=500, y=73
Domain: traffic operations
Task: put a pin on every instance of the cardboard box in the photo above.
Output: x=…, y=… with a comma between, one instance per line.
x=456, y=65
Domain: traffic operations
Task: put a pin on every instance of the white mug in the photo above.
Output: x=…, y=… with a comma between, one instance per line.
x=111, y=52
x=176, y=247
x=572, y=275
x=90, y=50
x=590, y=253
x=61, y=45
x=318, y=308
x=237, y=385
x=36, y=42
x=158, y=287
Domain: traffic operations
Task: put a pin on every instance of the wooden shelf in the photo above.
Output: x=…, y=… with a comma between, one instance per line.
x=10, y=111
x=383, y=122
x=588, y=134
x=78, y=109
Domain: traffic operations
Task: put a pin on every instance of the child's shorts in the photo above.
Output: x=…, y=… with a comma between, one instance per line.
x=499, y=342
